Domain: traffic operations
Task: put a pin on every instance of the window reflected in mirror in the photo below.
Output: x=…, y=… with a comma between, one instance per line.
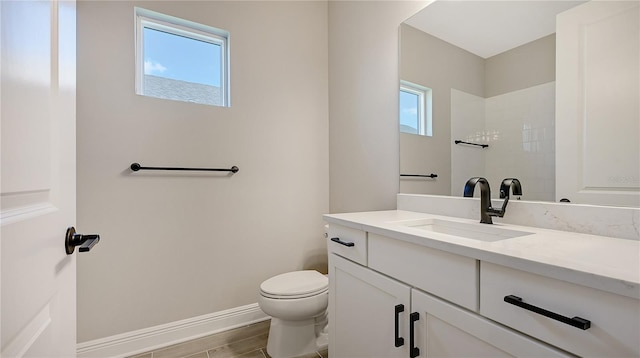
x=415, y=109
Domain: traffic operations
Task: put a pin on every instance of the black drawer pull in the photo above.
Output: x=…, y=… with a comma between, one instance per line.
x=575, y=321
x=349, y=244
x=413, y=350
x=399, y=340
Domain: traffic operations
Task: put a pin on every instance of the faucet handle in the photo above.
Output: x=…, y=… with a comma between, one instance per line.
x=497, y=212
x=512, y=184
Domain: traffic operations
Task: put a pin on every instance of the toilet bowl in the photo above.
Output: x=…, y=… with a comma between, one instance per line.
x=297, y=303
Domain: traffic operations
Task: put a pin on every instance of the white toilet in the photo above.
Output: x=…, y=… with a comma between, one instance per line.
x=297, y=303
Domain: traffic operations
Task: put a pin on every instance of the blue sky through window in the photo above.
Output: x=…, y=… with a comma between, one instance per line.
x=181, y=58
x=409, y=104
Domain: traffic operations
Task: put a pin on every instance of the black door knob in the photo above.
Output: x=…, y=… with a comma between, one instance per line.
x=86, y=242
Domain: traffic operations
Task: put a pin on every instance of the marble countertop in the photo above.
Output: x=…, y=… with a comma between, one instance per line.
x=604, y=263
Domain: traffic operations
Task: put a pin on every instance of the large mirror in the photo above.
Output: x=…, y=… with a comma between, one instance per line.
x=478, y=98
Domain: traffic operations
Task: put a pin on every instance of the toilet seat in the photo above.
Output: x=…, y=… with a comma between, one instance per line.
x=297, y=284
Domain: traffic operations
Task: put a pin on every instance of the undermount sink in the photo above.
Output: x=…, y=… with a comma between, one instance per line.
x=481, y=232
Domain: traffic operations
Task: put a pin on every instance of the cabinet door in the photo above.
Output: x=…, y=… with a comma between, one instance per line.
x=362, y=312
x=445, y=330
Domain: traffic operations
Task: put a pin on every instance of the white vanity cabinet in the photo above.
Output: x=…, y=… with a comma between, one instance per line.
x=387, y=307
x=440, y=273
x=613, y=320
x=362, y=312
x=445, y=330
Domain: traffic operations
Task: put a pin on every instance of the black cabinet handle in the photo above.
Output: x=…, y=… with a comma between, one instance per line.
x=575, y=321
x=345, y=243
x=399, y=340
x=413, y=350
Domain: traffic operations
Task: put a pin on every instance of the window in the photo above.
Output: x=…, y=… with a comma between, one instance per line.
x=181, y=60
x=415, y=109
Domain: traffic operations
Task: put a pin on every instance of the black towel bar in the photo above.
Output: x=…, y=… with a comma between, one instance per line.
x=420, y=175
x=136, y=166
x=463, y=142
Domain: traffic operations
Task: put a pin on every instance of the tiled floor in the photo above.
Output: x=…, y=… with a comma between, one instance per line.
x=244, y=342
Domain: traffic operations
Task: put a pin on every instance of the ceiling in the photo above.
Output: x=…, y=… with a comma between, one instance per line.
x=487, y=28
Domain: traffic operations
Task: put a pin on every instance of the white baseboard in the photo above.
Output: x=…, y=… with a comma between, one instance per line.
x=148, y=339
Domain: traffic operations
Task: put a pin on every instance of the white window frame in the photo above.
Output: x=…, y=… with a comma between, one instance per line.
x=425, y=101
x=154, y=20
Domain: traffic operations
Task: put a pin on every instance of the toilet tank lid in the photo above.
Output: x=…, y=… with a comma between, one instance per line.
x=295, y=283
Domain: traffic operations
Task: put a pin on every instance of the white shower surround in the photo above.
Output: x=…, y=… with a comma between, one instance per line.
x=519, y=128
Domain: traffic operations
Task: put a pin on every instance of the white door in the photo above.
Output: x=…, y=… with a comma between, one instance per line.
x=597, y=103
x=37, y=108
x=362, y=312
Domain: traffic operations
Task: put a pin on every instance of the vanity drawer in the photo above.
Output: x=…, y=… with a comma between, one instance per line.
x=614, y=319
x=348, y=243
x=448, y=276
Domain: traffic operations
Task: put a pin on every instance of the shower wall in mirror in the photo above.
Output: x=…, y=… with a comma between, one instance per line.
x=518, y=128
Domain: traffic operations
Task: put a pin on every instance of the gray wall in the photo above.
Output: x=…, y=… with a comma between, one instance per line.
x=313, y=121
x=363, y=96
x=174, y=245
x=525, y=66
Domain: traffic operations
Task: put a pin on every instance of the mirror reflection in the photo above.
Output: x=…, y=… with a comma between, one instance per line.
x=489, y=68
